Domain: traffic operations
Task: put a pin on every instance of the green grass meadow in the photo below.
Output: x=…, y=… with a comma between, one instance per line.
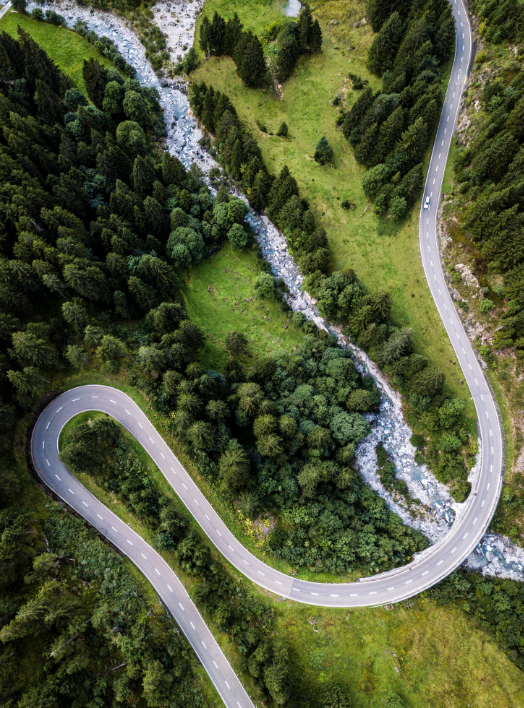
x=67, y=49
x=220, y=297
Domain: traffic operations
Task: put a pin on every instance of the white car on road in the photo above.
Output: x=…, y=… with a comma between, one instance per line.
x=426, y=203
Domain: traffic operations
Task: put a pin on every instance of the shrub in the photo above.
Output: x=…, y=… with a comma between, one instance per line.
x=486, y=305
x=238, y=237
x=323, y=152
x=265, y=285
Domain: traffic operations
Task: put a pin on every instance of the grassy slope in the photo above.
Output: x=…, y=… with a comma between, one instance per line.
x=66, y=48
x=220, y=297
x=383, y=255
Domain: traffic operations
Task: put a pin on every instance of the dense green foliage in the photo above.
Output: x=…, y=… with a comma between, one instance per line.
x=342, y=297
x=76, y=627
x=391, y=129
x=491, y=172
x=100, y=449
x=501, y=20
x=283, y=440
x=219, y=38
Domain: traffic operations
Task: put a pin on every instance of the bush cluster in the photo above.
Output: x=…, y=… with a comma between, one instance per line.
x=105, y=46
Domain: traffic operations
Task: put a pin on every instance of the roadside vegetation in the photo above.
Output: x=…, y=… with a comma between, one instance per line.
x=481, y=231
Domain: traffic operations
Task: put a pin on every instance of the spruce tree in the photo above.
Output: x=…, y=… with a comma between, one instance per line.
x=259, y=191
x=323, y=152
x=143, y=175
x=288, y=52
x=232, y=34
x=358, y=111
x=11, y=58
x=204, y=36
x=50, y=109
x=283, y=130
x=414, y=140
x=378, y=11
x=249, y=58
x=390, y=133
x=304, y=27
x=173, y=171
x=366, y=151
x=208, y=110
x=382, y=52
x=95, y=79
x=217, y=35
x=315, y=38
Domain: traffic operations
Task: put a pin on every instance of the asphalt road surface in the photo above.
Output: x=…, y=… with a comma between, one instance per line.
x=426, y=570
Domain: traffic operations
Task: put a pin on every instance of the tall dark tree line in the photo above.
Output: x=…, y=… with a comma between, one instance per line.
x=390, y=130
x=218, y=38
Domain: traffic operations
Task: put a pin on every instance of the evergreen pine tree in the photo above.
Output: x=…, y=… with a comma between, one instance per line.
x=358, y=111
x=232, y=34
x=315, y=37
x=249, y=58
x=11, y=58
x=95, y=79
x=217, y=35
x=304, y=27
x=283, y=130
x=390, y=133
x=173, y=171
x=323, y=152
x=50, y=109
x=288, y=52
x=143, y=175
x=382, y=52
x=366, y=150
x=259, y=191
x=208, y=110
x=378, y=11
x=204, y=36
x=414, y=140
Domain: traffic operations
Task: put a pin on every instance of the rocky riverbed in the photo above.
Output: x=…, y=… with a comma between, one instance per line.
x=495, y=555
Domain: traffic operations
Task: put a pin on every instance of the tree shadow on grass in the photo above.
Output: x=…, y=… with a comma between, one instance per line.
x=389, y=227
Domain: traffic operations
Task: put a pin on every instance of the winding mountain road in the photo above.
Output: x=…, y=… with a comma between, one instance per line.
x=426, y=570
